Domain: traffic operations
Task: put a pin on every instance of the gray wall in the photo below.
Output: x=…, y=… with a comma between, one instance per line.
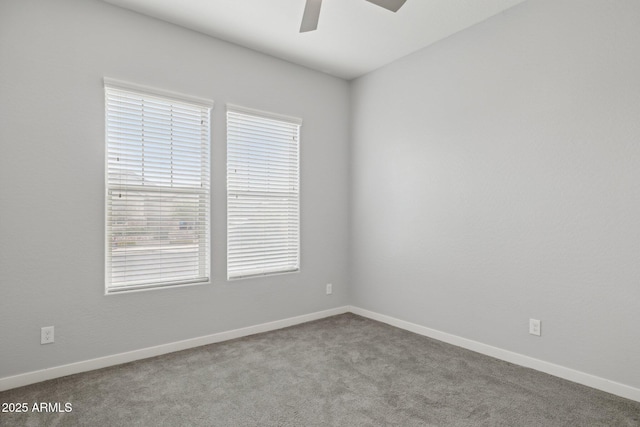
x=53, y=57
x=496, y=177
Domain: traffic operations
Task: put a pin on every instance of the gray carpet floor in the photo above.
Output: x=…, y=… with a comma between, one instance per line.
x=341, y=371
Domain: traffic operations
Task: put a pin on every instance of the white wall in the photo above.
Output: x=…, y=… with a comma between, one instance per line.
x=496, y=177
x=53, y=57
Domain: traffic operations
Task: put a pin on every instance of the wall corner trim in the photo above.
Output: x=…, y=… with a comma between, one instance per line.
x=569, y=374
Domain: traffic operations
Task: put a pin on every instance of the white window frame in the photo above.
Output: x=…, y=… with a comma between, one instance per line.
x=263, y=193
x=179, y=183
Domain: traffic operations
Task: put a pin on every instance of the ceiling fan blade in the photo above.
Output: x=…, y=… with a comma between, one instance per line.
x=392, y=5
x=311, y=16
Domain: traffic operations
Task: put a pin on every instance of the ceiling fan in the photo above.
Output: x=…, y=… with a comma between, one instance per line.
x=312, y=11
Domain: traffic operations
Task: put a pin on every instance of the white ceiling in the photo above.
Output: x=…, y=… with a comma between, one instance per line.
x=353, y=36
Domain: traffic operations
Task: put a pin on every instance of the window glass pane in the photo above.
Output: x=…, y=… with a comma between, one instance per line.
x=263, y=226
x=157, y=191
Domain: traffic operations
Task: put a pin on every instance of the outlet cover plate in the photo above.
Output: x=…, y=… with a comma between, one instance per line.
x=46, y=335
x=534, y=327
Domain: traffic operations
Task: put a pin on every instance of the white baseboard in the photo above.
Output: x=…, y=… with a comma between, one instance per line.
x=518, y=359
x=508, y=356
x=130, y=356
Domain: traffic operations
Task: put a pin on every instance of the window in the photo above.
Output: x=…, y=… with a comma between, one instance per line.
x=157, y=188
x=263, y=212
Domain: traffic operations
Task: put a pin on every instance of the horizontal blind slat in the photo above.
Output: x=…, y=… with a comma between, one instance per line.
x=262, y=195
x=157, y=195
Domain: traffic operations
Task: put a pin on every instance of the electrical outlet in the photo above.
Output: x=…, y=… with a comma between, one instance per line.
x=46, y=335
x=329, y=288
x=534, y=327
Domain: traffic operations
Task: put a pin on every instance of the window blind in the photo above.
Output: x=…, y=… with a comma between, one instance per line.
x=157, y=190
x=263, y=215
